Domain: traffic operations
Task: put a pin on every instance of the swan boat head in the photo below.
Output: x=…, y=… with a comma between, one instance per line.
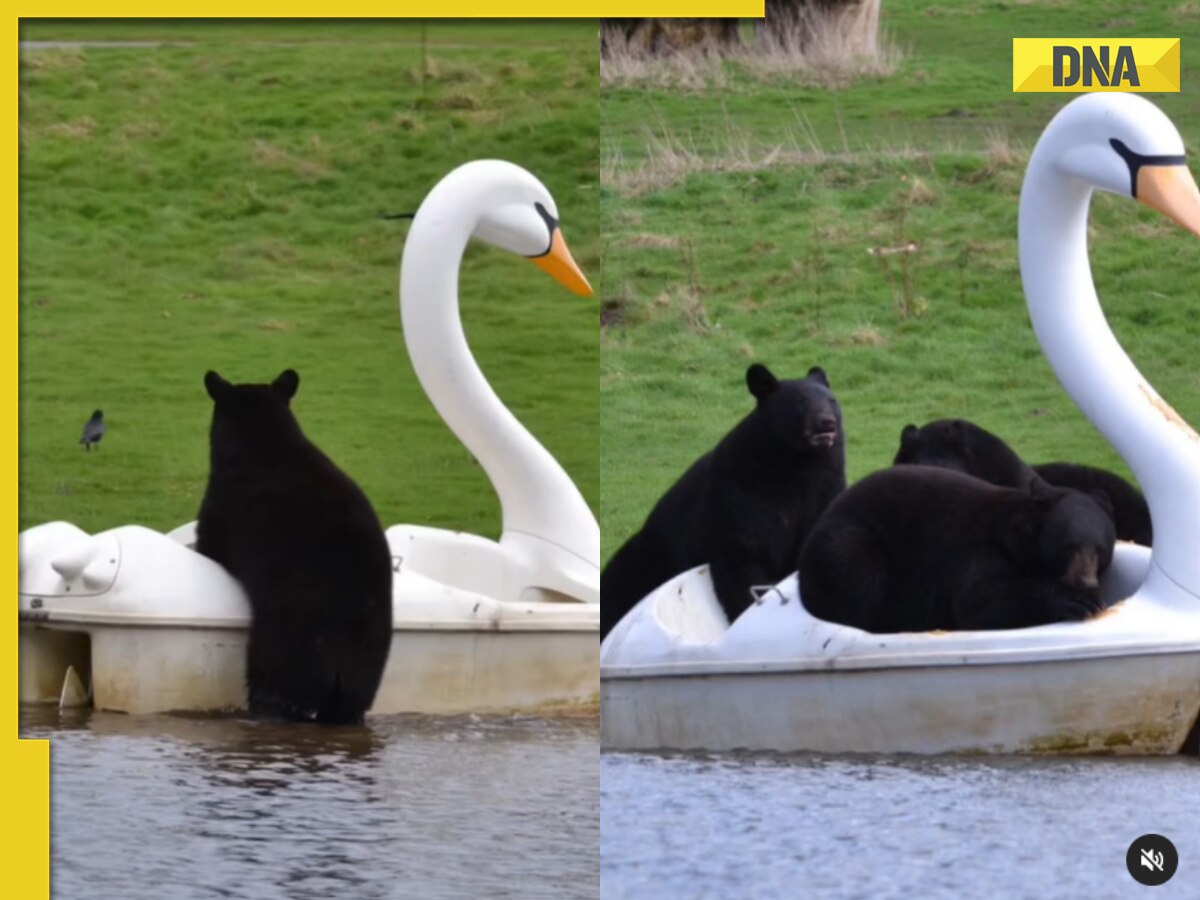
x=1125, y=145
x=527, y=225
x=548, y=527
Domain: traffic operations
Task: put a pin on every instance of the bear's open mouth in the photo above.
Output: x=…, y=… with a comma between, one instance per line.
x=823, y=438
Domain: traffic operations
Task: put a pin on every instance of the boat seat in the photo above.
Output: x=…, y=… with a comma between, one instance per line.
x=687, y=606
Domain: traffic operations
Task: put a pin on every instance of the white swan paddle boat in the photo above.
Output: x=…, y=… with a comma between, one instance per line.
x=675, y=675
x=134, y=620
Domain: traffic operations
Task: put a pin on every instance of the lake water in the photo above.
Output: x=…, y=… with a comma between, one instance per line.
x=173, y=808
x=849, y=828
x=196, y=807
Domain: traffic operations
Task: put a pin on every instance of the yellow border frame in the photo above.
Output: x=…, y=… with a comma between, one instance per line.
x=25, y=764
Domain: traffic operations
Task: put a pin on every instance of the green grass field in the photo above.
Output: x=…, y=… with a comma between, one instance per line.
x=737, y=222
x=212, y=203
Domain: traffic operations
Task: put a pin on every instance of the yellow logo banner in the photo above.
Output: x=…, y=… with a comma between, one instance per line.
x=1077, y=65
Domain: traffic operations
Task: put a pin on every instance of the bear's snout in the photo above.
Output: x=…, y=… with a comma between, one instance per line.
x=823, y=431
x=826, y=422
x=1083, y=570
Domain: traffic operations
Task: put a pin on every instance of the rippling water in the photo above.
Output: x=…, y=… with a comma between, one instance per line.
x=173, y=808
x=891, y=827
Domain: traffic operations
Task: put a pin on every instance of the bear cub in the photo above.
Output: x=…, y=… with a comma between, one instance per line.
x=307, y=547
x=964, y=446
x=745, y=507
x=919, y=548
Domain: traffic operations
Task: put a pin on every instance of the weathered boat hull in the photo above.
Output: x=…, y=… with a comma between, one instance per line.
x=1120, y=705
x=148, y=669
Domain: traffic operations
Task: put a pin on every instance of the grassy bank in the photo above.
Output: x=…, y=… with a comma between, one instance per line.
x=739, y=222
x=212, y=204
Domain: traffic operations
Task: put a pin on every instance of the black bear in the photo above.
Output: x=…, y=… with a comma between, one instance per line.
x=964, y=446
x=1131, y=515
x=745, y=507
x=918, y=548
x=307, y=547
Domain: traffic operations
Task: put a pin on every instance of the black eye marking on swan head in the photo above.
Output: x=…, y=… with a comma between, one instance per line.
x=551, y=227
x=1136, y=160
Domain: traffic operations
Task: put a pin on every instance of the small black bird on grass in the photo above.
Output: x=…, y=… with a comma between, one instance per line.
x=93, y=431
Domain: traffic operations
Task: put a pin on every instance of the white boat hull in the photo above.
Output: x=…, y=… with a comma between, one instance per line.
x=1100, y=705
x=148, y=625
x=674, y=677
x=148, y=669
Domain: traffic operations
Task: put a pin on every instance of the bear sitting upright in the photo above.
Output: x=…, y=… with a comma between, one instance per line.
x=745, y=507
x=304, y=542
x=919, y=548
x=964, y=446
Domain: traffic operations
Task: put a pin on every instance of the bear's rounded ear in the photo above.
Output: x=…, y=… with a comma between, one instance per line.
x=909, y=435
x=760, y=381
x=216, y=386
x=286, y=384
x=816, y=373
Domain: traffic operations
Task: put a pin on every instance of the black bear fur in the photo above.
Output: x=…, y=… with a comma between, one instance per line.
x=303, y=540
x=964, y=446
x=746, y=506
x=919, y=548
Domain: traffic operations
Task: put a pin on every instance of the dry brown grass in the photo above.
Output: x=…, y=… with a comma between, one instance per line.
x=686, y=302
x=919, y=193
x=1002, y=154
x=313, y=164
x=1185, y=12
x=1152, y=229
x=455, y=101
x=867, y=335
x=652, y=241
x=621, y=66
x=831, y=51
x=670, y=158
x=682, y=302
x=39, y=60
x=142, y=130
x=828, y=51
x=77, y=129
